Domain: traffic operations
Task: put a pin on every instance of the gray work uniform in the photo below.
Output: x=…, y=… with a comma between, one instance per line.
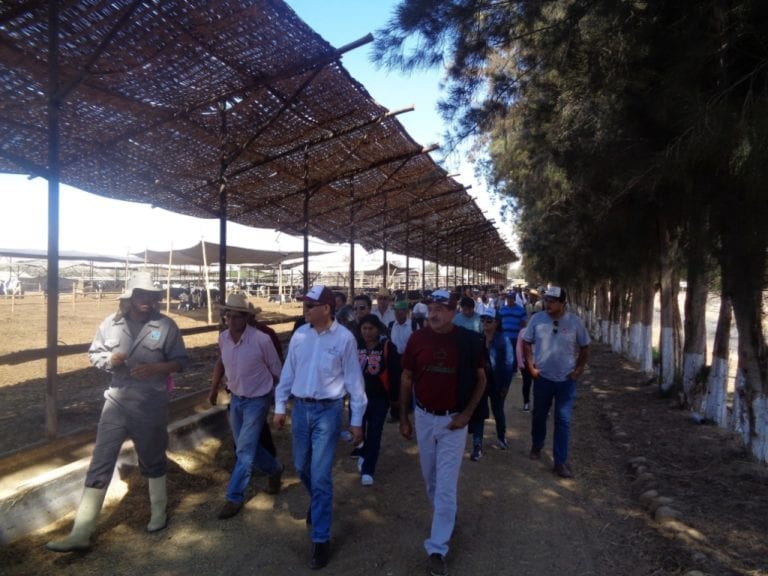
x=135, y=409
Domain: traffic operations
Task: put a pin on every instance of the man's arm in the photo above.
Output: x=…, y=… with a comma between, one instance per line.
x=581, y=363
x=218, y=374
x=528, y=352
x=462, y=419
x=406, y=387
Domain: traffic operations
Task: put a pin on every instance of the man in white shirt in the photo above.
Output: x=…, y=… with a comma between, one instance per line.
x=400, y=330
x=321, y=368
x=383, y=309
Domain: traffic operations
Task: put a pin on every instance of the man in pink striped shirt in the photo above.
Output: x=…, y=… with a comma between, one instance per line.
x=252, y=367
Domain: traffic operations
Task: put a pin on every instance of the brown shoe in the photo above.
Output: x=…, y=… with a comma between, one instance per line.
x=535, y=453
x=274, y=482
x=229, y=509
x=563, y=470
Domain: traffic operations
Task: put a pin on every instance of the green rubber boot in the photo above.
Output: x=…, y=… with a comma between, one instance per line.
x=85, y=522
x=158, y=498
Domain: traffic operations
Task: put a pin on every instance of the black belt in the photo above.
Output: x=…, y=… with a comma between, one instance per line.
x=316, y=400
x=434, y=412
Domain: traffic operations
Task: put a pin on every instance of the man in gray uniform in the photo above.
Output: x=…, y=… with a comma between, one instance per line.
x=140, y=348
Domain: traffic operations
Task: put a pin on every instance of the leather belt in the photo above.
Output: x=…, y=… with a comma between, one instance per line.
x=317, y=400
x=433, y=412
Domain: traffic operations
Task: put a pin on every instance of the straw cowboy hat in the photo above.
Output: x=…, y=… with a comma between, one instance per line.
x=140, y=281
x=237, y=302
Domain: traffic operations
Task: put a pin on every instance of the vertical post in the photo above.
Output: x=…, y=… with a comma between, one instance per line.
x=423, y=264
x=306, y=239
x=351, y=242
x=407, y=255
x=307, y=195
x=385, y=264
x=223, y=208
x=52, y=336
x=437, y=263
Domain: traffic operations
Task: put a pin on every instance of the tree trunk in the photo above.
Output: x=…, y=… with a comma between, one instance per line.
x=743, y=259
x=670, y=313
x=714, y=405
x=695, y=328
x=646, y=321
x=603, y=311
x=635, y=326
x=614, y=316
x=751, y=418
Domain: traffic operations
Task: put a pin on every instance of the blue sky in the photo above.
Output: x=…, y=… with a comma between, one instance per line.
x=92, y=223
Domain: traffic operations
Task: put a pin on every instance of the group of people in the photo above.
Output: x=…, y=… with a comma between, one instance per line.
x=442, y=373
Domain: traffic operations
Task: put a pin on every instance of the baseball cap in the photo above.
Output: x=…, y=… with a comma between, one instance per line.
x=441, y=296
x=556, y=293
x=321, y=295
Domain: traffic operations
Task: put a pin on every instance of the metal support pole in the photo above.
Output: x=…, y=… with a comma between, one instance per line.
x=52, y=336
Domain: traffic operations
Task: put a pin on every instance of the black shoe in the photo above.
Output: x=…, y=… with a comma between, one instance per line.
x=356, y=452
x=437, y=565
x=563, y=470
x=274, y=482
x=320, y=555
x=535, y=453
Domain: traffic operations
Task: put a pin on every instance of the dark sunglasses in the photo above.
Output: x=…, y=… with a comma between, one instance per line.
x=361, y=307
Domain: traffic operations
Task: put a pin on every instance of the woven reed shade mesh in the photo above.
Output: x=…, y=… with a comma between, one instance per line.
x=169, y=102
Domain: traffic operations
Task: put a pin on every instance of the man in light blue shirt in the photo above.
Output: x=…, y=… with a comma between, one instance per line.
x=556, y=346
x=468, y=318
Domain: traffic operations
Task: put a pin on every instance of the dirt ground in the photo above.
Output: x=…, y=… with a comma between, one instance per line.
x=515, y=516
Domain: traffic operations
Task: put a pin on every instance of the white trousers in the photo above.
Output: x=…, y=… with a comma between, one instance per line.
x=441, y=452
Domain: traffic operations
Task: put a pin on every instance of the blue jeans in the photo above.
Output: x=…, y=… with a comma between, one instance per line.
x=564, y=395
x=316, y=427
x=373, y=425
x=497, y=398
x=247, y=417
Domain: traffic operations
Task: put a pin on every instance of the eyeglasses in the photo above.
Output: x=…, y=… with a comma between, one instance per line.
x=555, y=325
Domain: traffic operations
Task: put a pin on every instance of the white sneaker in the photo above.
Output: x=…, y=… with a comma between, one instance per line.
x=360, y=464
x=366, y=480
x=526, y=407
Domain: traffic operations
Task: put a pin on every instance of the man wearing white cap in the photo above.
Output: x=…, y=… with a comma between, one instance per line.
x=320, y=369
x=556, y=347
x=444, y=372
x=140, y=348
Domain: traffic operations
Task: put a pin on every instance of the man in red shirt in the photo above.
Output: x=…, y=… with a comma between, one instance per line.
x=444, y=369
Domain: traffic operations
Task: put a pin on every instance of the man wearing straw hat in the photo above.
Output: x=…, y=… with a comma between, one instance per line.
x=140, y=348
x=252, y=367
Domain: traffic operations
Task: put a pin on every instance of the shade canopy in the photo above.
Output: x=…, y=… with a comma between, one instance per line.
x=32, y=254
x=235, y=255
x=231, y=108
